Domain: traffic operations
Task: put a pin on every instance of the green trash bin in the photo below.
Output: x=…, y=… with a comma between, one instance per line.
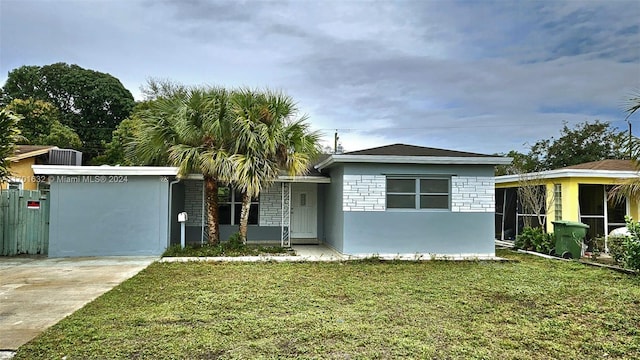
x=569, y=238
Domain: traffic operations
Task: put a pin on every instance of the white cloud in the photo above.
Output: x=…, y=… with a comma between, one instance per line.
x=474, y=76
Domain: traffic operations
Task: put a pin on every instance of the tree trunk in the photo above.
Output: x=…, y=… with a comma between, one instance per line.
x=244, y=216
x=211, y=193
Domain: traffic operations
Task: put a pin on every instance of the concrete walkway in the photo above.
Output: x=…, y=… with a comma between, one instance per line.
x=36, y=293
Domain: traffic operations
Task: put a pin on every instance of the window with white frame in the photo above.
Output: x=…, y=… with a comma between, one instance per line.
x=418, y=193
x=15, y=184
x=230, y=207
x=557, y=199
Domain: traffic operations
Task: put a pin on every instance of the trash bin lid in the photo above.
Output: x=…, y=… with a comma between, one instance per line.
x=570, y=223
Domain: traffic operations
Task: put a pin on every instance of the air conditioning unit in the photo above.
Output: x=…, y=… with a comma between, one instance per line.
x=65, y=157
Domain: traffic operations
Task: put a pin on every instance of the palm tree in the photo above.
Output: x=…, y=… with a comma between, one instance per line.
x=9, y=135
x=631, y=188
x=190, y=128
x=269, y=137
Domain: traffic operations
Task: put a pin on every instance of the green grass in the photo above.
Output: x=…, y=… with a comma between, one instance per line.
x=530, y=309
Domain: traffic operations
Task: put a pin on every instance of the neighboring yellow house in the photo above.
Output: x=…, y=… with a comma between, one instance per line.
x=574, y=193
x=22, y=176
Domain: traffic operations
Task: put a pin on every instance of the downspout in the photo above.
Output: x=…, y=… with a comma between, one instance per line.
x=202, y=217
x=177, y=180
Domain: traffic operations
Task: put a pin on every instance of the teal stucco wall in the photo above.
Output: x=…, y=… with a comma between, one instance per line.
x=409, y=231
x=95, y=218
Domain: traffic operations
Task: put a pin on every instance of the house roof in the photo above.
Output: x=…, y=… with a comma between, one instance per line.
x=410, y=154
x=610, y=164
x=412, y=150
x=611, y=169
x=27, y=151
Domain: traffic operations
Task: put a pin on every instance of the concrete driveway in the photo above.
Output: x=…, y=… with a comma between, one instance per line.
x=36, y=293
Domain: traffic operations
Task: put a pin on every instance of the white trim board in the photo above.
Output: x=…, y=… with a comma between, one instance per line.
x=103, y=170
x=568, y=173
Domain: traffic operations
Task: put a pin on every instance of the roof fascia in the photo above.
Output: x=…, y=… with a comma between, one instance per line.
x=103, y=170
x=568, y=173
x=30, y=154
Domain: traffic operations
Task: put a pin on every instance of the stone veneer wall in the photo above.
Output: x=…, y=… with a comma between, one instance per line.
x=193, y=201
x=270, y=207
x=364, y=192
x=472, y=194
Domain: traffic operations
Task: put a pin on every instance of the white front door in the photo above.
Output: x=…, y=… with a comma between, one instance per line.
x=304, y=223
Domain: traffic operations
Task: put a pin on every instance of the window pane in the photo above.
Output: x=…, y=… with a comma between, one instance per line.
x=224, y=194
x=434, y=186
x=237, y=196
x=224, y=214
x=15, y=185
x=401, y=202
x=253, y=214
x=591, y=198
x=401, y=186
x=434, y=201
x=236, y=215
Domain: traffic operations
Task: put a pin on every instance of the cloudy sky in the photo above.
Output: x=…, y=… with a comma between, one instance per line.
x=481, y=76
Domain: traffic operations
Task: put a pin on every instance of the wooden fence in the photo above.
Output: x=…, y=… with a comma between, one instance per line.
x=24, y=222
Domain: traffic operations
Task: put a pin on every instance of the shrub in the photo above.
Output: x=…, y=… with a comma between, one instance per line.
x=616, y=248
x=235, y=242
x=597, y=246
x=632, y=253
x=233, y=247
x=535, y=239
x=626, y=250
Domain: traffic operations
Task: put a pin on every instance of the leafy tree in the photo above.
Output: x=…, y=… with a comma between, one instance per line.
x=40, y=125
x=584, y=143
x=90, y=102
x=588, y=141
x=119, y=150
x=190, y=130
x=268, y=137
x=9, y=135
x=61, y=136
x=521, y=164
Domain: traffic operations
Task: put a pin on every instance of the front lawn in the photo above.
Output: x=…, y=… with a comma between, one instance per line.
x=532, y=309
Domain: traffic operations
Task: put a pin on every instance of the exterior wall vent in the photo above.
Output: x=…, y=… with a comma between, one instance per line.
x=65, y=157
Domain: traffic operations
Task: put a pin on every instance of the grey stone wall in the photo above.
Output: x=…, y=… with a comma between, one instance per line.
x=364, y=193
x=270, y=207
x=193, y=201
x=472, y=194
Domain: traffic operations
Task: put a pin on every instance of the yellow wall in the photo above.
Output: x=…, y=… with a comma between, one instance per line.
x=570, y=199
x=22, y=170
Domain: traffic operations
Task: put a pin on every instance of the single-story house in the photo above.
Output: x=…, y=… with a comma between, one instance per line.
x=25, y=156
x=22, y=176
x=573, y=193
x=396, y=199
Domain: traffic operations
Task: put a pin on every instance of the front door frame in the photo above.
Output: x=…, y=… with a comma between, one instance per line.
x=304, y=207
